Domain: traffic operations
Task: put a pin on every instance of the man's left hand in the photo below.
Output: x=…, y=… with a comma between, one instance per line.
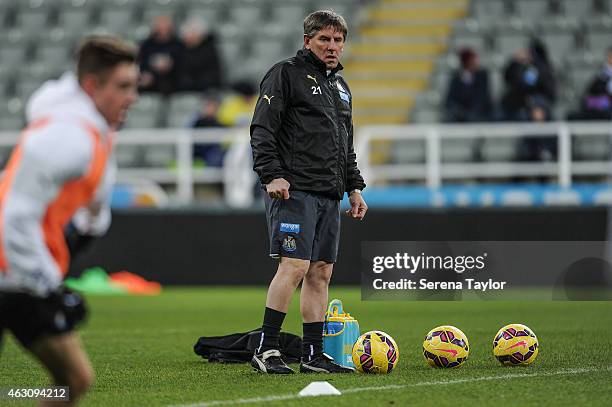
x=358, y=206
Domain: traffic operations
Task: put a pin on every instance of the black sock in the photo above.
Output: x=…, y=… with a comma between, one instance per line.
x=312, y=343
x=270, y=330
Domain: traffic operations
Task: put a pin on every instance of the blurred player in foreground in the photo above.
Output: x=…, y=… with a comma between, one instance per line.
x=302, y=140
x=61, y=170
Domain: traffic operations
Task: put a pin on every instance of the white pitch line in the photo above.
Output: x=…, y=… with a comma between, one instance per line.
x=398, y=386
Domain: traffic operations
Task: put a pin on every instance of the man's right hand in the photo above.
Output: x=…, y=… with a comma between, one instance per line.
x=278, y=189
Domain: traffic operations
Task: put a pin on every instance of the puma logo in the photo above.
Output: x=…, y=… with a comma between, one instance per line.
x=268, y=98
x=313, y=78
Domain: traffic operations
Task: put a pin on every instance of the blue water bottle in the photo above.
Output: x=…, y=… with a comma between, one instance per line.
x=340, y=334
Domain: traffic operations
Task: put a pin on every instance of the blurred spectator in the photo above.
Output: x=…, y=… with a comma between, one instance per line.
x=201, y=68
x=468, y=98
x=538, y=148
x=528, y=75
x=596, y=104
x=210, y=154
x=207, y=116
x=237, y=109
x=160, y=57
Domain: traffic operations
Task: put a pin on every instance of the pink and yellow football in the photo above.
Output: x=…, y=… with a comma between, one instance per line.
x=515, y=344
x=445, y=346
x=375, y=352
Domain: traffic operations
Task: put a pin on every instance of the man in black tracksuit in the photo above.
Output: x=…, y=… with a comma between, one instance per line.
x=302, y=140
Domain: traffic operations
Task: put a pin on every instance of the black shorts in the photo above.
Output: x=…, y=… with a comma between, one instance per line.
x=29, y=317
x=305, y=226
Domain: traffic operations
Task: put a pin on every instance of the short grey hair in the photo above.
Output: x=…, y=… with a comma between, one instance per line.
x=321, y=19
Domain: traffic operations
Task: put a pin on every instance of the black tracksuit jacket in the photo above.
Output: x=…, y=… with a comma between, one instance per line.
x=302, y=129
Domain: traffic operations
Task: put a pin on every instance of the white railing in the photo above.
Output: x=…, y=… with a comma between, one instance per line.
x=236, y=175
x=238, y=178
x=236, y=172
x=433, y=171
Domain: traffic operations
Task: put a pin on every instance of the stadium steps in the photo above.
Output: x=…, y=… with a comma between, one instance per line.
x=389, y=65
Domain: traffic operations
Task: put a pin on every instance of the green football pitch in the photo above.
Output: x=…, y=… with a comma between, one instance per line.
x=142, y=351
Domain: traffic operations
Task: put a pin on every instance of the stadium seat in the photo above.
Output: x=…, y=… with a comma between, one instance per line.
x=39, y=72
x=56, y=55
x=558, y=23
x=25, y=87
x=211, y=13
x=532, y=9
x=508, y=43
x=475, y=41
x=75, y=21
x=183, y=108
x=129, y=156
x=6, y=8
x=580, y=78
x=141, y=120
x=130, y=4
x=482, y=10
x=599, y=41
x=408, y=152
x=582, y=58
x=231, y=51
x=468, y=26
x=559, y=43
x=11, y=107
x=11, y=114
x=35, y=19
x=145, y=112
x=270, y=51
x=11, y=123
x=116, y=20
x=291, y=13
x=180, y=118
x=496, y=84
x=231, y=31
x=295, y=41
x=438, y=83
x=601, y=21
x=426, y=116
x=137, y=33
x=342, y=8
x=512, y=24
x=153, y=9
x=457, y=150
x=591, y=148
x=7, y=71
x=494, y=60
x=159, y=156
x=245, y=15
x=253, y=70
x=578, y=8
x=498, y=149
x=13, y=53
x=5, y=152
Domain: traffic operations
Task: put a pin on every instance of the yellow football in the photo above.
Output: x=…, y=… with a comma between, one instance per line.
x=445, y=346
x=515, y=344
x=375, y=352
